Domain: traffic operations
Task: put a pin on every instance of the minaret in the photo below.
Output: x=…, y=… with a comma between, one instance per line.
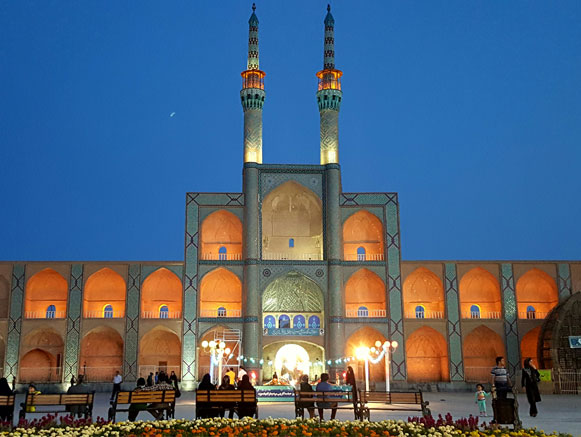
x=329, y=96
x=252, y=96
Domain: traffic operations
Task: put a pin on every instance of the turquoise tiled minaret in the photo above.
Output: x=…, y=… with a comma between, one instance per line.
x=329, y=96
x=252, y=95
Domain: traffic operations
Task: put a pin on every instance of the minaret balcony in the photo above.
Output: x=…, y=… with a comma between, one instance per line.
x=253, y=79
x=329, y=79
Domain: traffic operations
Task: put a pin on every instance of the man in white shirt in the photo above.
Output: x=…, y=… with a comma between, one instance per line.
x=117, y=380
x=241, y=373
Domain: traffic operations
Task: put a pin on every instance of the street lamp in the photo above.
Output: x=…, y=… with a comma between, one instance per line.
x=375, y=354
x=217, y=351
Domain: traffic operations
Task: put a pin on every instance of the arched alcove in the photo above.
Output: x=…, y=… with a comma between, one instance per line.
x=101, y=354
x=529, y=345
x=220, y=289
x=480, y=348
x=536, y=294
x=4, y=297
x=161, y=289
x=160, y=349
x=478, y=287
x=365, y=288
x=41, y=356
x=427, y=356
x=104, y=288
x=363, y=237
x=292, y=212
x=221, y=236
x=218, y=333
x=423, y=295
x=366, y=337
x=45, y=289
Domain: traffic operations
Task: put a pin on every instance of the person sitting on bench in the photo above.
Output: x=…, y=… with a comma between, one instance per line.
x=246, y=408
x=325, y=386
x=157, y=409
x=134, y=409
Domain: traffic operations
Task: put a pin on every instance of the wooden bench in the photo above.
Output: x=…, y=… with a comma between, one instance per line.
x=392, y=401
x=151, y=399
x=8, y=401
x=49, y=403
x=216, y=401
x=343, y=399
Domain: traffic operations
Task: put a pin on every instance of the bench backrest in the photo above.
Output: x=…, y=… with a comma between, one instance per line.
x=225, y=396
x=391, y=397
x=324, y=396
x=60, y=399
x=144, y=397
x=7, y=400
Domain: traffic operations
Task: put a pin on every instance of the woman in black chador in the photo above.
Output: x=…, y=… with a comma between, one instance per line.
x=350, y=380
x=529, y=380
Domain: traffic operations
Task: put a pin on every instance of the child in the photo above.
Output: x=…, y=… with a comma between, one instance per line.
x=481, y=396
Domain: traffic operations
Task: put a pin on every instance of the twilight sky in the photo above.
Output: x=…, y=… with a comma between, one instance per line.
x=471, y=111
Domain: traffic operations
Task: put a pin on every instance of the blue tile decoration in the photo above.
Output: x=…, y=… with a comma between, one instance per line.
x=130, y=360
x=564, y=280
x=510, y=312
x=453, y=323
x=74, y=311
x=14, y=322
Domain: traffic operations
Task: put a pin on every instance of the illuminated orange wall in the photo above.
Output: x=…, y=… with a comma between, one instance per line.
x=4, y=297
x=427, y=356
x=538, y=289
x=220, y=288
x=160, y=345
x=162, y=287
x=104, y=287
x=364, y=288
x=529, y=344
x=221, y=228
x=481, y=347
x=39, y=352
x=102, y=352
x=479, y=287
x=45, y=288
x=366, y=337
x=362, y=229
x=423, y=287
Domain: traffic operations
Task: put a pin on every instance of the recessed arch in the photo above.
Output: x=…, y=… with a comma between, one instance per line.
x=41, y=356
x=104, y=287
x=220, y=288
x=4, y=297
x=160, y=349
x=366, y=337
x=221, y=236
x=480, y=348
x=217, y=332
x=538, y=290
x=292, y=211
x=529, y=345
x=363, y=237
x=479, y=287
x=162, y=287
x=422, y=288
x=43, y=289
x=101, y=354
x=292, y=293
x=426, y=356
x=365, y=288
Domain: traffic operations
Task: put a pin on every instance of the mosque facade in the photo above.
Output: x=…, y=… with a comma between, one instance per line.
x=291, y=274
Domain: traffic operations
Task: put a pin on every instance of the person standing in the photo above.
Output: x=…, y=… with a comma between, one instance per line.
x=241, y=372
x=150, y=379
x=173, y=379
x=500, y=378
x=481, y=399
x=530, y=379
x=117, y=380
x=231, y=375
x=350, y=380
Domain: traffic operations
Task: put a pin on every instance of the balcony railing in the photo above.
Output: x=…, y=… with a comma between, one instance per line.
x=40, y=374
x=365, y=313
x=531, y=315
x=221, y=256
x=481, y=315
x=45, y=314
x=220, y=313
x=425, y=315
x=104, y=314
x=161, y=314
x=292, y=256
x=364, y=257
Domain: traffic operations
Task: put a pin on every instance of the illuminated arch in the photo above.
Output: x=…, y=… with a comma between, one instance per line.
x=366, y=336
x=479, y=287
x=221, y=236
x=537, y=289
x=363, y=237
x=4, y=297
x=43, y=289
x=480, y=349
x=365, y=288
x=104, y=287
x=101, y=354
x=160, y=288
x=220, y=288
x=292, y=211
x=41, y=356
x=424, y=289
x=426, y=356
x=160, y=349
x=529, y=345
x=292, y=293
x=204, y=354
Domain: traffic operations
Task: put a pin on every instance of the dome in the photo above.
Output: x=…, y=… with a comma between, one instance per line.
x=292, y=292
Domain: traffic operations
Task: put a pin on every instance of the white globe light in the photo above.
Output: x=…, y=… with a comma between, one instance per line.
x=212, y=344
x=222, y=345
x=378, y=343
x=227, y=350
x=394, y=344
x=373, y=349
x=205, y=344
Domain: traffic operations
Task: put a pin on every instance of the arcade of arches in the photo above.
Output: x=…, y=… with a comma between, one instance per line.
x=220, y=294
x=480, y=349
x=536, y=294
x=104, y=295
x=221, y=236
x=4, y=297
x=161, y=295
x=292, y=223
x=427, y=356
x=101, y=354
x=160, y=349
x=362, y=237
x=423, y=295
x=366, y=337
x=529, y=345
x=365, y=289
x=41, y=356
x=46, y=296
x=480, y=295
x=292, y=359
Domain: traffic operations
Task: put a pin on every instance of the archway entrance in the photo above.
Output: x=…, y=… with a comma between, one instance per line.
x=291, y=360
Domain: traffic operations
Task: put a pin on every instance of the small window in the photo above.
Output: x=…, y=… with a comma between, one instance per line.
x=108, y=312
x=362, y=312
x=50, y=312
x=222, y=312
x=474, y=312
x=361, y=254
x=223, y=253
x=291, y=242
x=284, y=321
x=531, y=312
x=163, y=312
x=420, y=312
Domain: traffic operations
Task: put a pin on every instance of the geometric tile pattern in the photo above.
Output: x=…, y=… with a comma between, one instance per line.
x=510, y=319
x=130, y=366
x=71, y=364
x=14, y=323
x=453, y=324
x=564, y=279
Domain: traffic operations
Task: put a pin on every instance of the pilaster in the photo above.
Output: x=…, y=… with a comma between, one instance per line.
x=74, y=311
x=453, y=324
x=15, y=322
x=564, y=281
x=131, y=350
x=510, y=312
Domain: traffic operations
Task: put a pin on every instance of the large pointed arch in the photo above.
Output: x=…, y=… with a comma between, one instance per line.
x=480, y=348
x=536, y=294
x=365, y=289
x=101, y=354
x=362, y=237
x=221, y=236
x=426, y=356
x=220, y=294
x=161, y=295
x=104, y=295
x=423, y=295
x=480, y=295
x=46, y=296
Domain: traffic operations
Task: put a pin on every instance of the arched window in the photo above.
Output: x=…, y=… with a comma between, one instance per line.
x=531, y=312
x=314, y=322
x=291, y=242
x=299, y=322
x=108, y=311
x=284, y=321
x=163, y=312
x=475, y=312
x=420, y=312
x=362, y=312
x=50, y=312
x=221, y=312
x=361, y=253
x=223, y=253
x=269, y=322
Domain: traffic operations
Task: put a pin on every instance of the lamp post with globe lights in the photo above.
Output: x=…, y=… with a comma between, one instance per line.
x=217, y=351
x=374, y=355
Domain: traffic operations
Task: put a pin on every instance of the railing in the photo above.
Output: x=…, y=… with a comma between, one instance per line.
x=531, y=315
x=100, y=374
x=364, y=257
x=292, y=256
x=144, y=371
x=365, y=313
x=425, y=315
x=477, y=374
x=220, y=313
x=45, y=314
x=221, y=256
x=481, y=315
x=161, y=314
x=104, y=314
x=40, y=374
x=567, y=381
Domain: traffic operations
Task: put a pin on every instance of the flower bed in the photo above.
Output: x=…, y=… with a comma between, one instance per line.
x=266, y=427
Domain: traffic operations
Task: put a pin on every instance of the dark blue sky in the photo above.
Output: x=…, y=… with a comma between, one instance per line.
x=470, y=110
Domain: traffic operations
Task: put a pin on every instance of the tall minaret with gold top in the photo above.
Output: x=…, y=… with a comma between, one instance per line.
x=252, y=95
x=329, y=96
